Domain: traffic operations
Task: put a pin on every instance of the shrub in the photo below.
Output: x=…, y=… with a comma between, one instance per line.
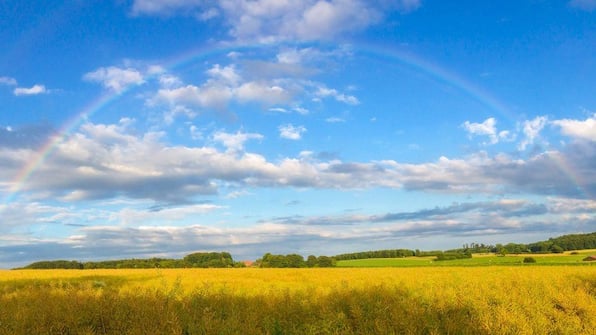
x=529, y=260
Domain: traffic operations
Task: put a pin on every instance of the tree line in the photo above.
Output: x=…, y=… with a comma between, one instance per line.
x=194, y=260
x=294, y=261
x=552, y=245
x=224, y=259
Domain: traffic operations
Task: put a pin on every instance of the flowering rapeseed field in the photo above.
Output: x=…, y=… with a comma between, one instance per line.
x=433, y=300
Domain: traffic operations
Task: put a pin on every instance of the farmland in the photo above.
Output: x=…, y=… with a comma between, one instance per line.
x=529, y=299
x=566, y=258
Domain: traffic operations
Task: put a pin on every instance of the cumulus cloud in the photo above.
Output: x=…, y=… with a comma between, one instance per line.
x=324, y=92
x=531, y=130
x=235, y=142
x=486, y=128
x=583, y=130
x=271, y=21
x=269, y=94
x=169, y=81
x=224, y=84
x=115, y=78
x=106, y=161
x=206, y=96
x=225, y=74
x=34, y=90
x=177, y=110
x=291, y=132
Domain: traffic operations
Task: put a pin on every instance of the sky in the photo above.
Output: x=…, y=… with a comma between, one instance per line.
x=157, y=128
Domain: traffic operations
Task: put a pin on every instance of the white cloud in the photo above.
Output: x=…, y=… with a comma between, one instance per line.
x=531, y=130
x=291, y=132
x=275, y=20
x=34, y=90
x=486, y=128
x=207, y=96
x=8, y=81
x=136, y=217
x=223, y=86
x=208, y=14
x=115, y=78
x=324, y=92
x=585, y=130
x=325, y=20
x=278, y=110
x=301, y=110
x=138, y=233
x=263, y=92
x=226, y=74
x=107, y=161
x=177, y=111
x=235, y=142
x=292, y=56
x=164, y=7
x=334, y=120
x=195, y=133
x=169, y=81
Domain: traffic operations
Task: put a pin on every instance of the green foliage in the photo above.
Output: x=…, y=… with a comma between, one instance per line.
x=282, y=261
x=212, y=259
x=529, y=260
x=392, y=253
x=564, y=243
x=60, y=264
x=452, y=255
x=224, y=259
x=295, y=261
x=149, y=263
x=556, y=249
x=326, y=262
x=209, y=260
x=475, y=248
x=509, y=260
x=311, y=261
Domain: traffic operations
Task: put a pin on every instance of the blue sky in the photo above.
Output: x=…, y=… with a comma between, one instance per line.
x=161, y=127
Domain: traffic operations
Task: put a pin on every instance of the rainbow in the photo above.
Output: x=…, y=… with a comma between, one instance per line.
x=440, y=75
x=568, y=171
x=45, y=150
x=405, y=58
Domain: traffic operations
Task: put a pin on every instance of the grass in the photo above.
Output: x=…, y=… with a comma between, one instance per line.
x=413, y=300
x=477, y=260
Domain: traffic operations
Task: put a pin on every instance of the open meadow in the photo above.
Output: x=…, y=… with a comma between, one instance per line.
x=566, y=258
x=529, y=299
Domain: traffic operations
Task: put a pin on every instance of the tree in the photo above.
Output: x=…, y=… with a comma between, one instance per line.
x=556, y=249
x=209, y=259
x=326, y=262
x=311, y=261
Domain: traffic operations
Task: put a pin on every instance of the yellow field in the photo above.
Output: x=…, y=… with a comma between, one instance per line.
x=477, y=300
